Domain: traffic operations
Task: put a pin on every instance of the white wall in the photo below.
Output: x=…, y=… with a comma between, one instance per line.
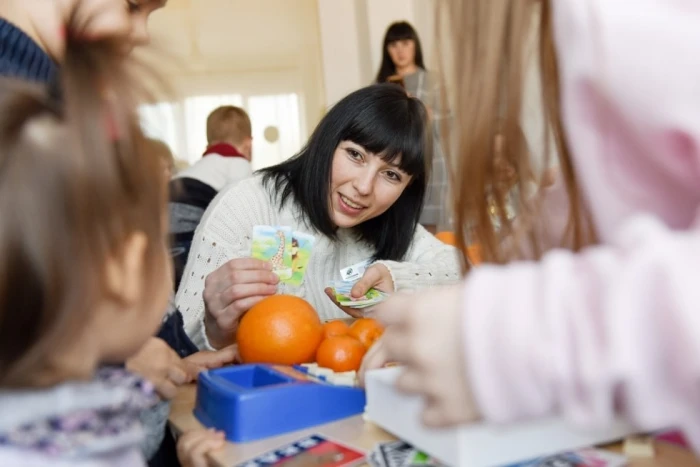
x=342, y=55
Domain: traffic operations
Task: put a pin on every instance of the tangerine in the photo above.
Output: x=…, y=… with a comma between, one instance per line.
x=340, y=353
x=280, y=329
x=473, y=251
x=447, y=237
x=474, y=254
x=366, y=330
x=335, y=328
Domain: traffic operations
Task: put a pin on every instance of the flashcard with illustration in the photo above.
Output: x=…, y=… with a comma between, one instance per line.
x=342, y=291
x=274, y=244
x=313, y=450
x=302, y=245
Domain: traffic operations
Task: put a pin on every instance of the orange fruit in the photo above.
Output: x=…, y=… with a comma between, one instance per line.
x=474, y=253
x=340, y=353
x=366, y=330
x=281, y=329
x=447, y=237
x=335, y=328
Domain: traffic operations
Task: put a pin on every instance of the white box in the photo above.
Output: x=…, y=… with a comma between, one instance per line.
x=477, y=445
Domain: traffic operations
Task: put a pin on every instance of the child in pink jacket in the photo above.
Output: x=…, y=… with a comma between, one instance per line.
x=613, y=329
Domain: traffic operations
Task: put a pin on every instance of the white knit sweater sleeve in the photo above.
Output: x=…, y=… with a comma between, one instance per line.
x=224, y=233
x=429, y=262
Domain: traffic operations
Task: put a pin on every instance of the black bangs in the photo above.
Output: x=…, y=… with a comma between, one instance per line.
x=385, y=121
x=400, y=31
x=392, y=129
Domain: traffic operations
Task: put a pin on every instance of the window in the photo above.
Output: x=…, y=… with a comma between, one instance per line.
x=160, y=121
x=279, y=111
x=182, y=125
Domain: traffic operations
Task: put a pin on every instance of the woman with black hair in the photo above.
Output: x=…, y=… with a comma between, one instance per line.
x=358, y=186
x=402, y=63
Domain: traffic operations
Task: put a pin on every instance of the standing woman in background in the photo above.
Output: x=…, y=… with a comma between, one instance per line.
x=402, y=62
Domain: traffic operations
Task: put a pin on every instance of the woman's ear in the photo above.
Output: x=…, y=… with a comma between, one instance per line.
x=124, y=273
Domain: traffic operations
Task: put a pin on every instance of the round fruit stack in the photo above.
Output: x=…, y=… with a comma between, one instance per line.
x=286, y=330
x=473, y=250
x=343, y=346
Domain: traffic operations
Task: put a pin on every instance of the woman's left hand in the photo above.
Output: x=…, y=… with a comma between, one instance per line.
x=424, y=333
x=377, y=277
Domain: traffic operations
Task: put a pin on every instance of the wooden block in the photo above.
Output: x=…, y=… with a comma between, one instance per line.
x=342, y=380
x=349, y=374
x=638, y=446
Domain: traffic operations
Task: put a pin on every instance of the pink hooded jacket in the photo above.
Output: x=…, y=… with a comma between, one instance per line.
x=615, y=329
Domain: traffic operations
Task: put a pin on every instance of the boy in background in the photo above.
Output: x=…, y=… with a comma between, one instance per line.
x=226, y=160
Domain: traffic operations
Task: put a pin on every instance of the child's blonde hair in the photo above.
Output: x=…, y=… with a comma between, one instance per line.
x=228, y=123
x=162, y=151
x=490, y=54
x=75, y=183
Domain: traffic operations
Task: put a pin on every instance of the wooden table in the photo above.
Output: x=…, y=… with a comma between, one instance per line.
x=355, y=432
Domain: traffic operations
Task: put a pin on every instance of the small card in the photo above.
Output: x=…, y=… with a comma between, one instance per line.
x=342, y=290
x=400, y=454
x=672, y=436
x=579, y=458
x=354, y=272
x=274, y=244
x=372, y=297
x=316, y=450
x=302, y=245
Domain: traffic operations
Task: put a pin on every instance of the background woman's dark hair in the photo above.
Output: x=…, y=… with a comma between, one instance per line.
x=76, y=181
x=396, y=32
x=385, y=121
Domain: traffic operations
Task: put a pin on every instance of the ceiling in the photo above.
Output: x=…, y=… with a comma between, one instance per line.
x=236, y=34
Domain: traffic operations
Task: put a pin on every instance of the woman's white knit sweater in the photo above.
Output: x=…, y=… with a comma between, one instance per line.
x=225, y=233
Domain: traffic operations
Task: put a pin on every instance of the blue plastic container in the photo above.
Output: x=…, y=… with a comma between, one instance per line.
x=251, y=402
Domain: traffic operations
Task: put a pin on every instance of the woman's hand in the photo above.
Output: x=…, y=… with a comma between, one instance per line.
x=377, y=277
x=232, y=290
x=424, y=333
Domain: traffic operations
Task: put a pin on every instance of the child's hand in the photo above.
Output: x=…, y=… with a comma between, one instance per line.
x=424, y=333
x=376, y=357
x=206, y=359
x=160, y=365
x=193, y=447
x=96, y=19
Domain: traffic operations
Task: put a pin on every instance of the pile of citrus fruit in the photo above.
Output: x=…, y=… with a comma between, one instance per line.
x=473, y=250
x=286, y=330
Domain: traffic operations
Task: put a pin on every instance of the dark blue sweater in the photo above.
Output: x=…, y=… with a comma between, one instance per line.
x=21, y=57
